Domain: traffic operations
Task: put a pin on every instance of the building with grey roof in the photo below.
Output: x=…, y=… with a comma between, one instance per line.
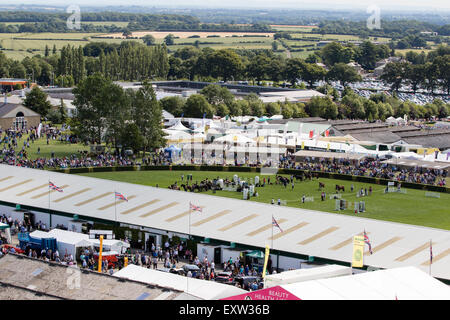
x=17, y=116
x=28, y=278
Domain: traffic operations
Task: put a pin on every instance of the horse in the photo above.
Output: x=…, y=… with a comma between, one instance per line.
x=340, y=188
x=321, y=185
x=298, y=177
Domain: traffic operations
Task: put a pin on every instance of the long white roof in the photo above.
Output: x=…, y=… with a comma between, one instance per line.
x=307, y=232
x=408, y=283
x=203, y=289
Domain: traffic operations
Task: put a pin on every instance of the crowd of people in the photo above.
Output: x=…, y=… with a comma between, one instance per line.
x=367, y=167
x=370, y=167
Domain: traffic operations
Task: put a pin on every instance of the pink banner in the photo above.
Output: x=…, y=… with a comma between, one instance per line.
x=273, y=293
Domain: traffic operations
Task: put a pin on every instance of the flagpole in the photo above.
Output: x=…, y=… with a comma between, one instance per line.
x=49, y=214
x=115, y=209
x=431, y=256
x=187, y=278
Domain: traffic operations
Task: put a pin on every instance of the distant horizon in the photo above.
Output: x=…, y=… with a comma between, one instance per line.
x=432, y=6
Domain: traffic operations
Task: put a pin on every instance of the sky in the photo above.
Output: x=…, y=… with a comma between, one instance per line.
x=428, y=5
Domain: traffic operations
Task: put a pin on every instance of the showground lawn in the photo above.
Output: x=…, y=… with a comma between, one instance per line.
x=410, y=208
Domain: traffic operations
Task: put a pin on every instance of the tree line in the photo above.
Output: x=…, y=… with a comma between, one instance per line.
x=129, y=61
x=420, y=71
x=38, y=22
x=217, y=100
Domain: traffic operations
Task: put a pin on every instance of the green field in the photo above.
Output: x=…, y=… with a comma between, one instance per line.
x=61, y=149
x=411, y=208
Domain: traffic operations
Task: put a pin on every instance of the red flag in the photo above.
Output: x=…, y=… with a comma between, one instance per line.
x=327, y=133
x=311, y=134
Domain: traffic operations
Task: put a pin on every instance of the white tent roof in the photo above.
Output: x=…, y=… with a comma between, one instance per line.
x=178, y=126
x=69, y=237
x=203, y=289
x=407, y=283
x=176, y=134
x=40, y=234
x=234, y=138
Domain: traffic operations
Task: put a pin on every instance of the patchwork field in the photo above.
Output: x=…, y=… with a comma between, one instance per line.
x=411, y=208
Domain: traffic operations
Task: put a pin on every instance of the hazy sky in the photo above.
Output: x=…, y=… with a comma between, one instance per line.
x=431, y=5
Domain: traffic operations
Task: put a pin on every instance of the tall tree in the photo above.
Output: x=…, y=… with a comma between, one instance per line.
x=36, y=100
x=343, y=73
x=147, y=115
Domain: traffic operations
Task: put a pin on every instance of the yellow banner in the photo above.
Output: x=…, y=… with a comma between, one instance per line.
x=266, y=258
x=358, y=252
x=100, y=254
x=303, y=145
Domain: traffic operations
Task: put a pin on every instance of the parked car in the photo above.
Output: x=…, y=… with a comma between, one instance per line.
x=224, y=277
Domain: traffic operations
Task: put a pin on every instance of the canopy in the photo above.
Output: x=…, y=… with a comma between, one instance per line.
x=203, y=289
x=6, y=228
x=407, y=283
x=234, y=138
x=178, y=126
x=68, y=241
x=256, y=254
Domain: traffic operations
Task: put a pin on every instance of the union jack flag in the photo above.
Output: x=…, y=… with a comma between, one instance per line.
x=120, y=196
x=275, y=223
x=52, y=186
x=366, y=240
x=195, y=208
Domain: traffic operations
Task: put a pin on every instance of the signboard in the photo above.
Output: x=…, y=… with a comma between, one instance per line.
x=273, y=293
x=107, y=234
x=358, y=252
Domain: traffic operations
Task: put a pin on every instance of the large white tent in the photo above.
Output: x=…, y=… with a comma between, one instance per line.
x=68, y=241
x=235, y=138
x=407, y=283
x=178, y=126
x=203, y=289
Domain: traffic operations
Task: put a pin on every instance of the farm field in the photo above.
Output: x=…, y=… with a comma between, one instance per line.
x=410, y=208
x=292, y=28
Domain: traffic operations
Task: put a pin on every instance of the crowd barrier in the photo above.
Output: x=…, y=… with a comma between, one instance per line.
x=321, y=174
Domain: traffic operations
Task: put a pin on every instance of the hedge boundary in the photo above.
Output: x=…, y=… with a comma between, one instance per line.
x=321, y=174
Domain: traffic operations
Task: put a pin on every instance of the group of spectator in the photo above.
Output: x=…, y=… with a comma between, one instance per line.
x=371, y=168
x=368, y=167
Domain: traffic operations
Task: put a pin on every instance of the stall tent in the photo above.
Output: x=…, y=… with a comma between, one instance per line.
x=68, y=241
x=202, y=289
x=406, y=283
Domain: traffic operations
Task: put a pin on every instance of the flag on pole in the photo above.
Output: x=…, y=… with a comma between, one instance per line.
x=275, y=223
x=52, y=186
x=120, y=196
x=195, y=208
x=367, y=241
